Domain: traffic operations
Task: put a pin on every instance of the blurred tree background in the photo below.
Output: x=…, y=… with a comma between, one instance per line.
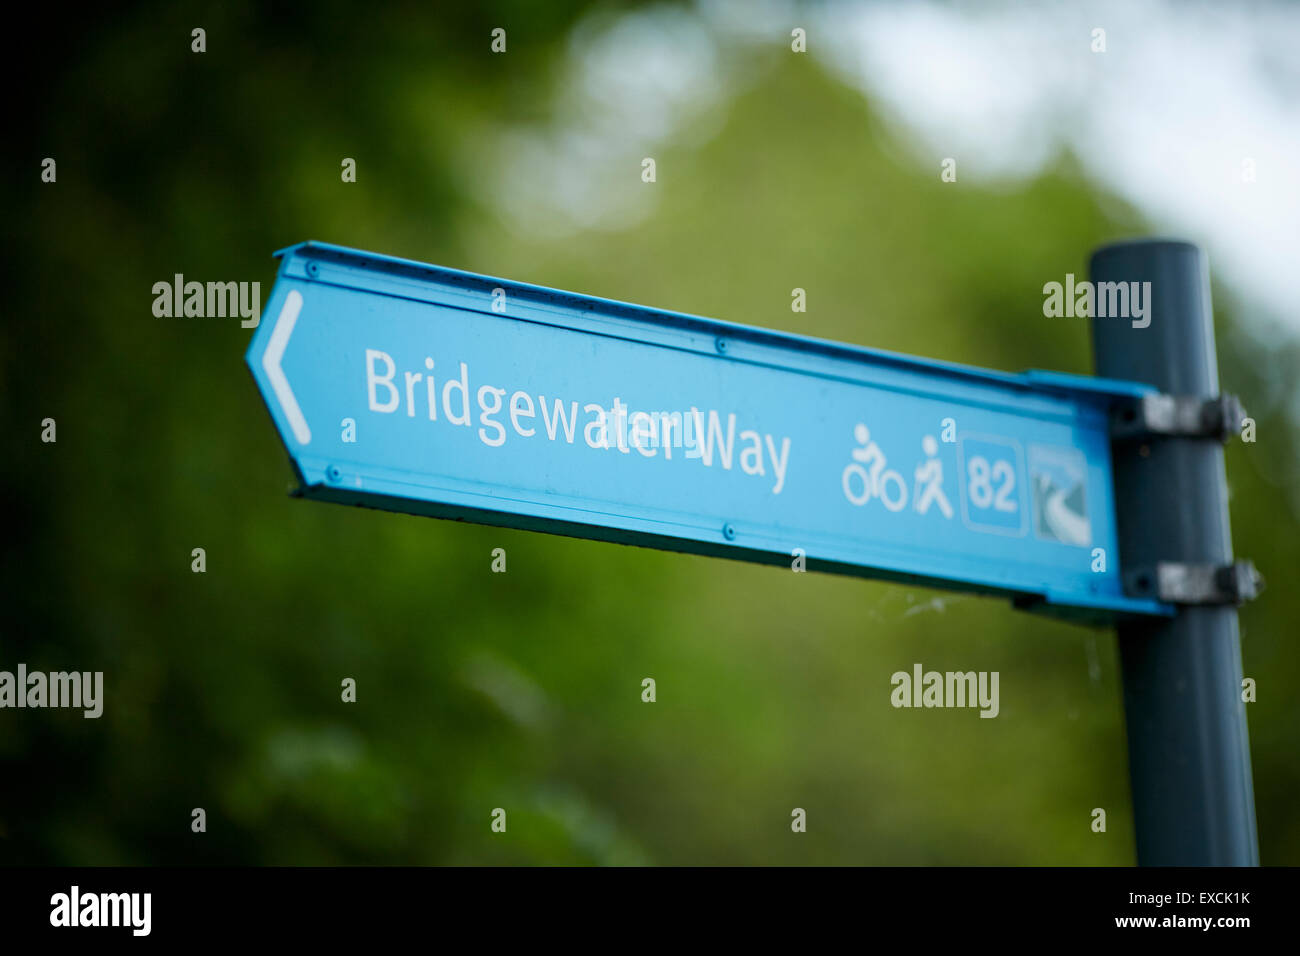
x=480, y=690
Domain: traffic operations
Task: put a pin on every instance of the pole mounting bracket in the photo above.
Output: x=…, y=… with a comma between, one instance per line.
x=1177, y=582
x=1176, y=416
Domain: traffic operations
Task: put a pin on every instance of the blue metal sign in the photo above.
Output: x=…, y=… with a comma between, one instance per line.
x=421, y=389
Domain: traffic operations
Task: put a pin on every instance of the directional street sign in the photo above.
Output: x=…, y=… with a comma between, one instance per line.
x=421, y=389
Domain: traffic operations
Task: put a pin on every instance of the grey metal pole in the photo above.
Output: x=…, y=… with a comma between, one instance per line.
x=1189, y=757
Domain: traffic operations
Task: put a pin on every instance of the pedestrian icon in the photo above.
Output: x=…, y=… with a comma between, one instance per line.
x=929, y=480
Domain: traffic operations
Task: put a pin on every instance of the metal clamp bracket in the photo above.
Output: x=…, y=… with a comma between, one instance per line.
x=1178, y=583
x=1177, y=416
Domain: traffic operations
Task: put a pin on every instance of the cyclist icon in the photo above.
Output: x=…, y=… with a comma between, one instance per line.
x=874, y=480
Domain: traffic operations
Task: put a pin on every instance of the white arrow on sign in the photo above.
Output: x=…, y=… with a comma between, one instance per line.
x=271, y=363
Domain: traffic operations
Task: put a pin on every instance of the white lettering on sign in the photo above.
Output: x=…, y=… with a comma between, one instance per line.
x=714, y=438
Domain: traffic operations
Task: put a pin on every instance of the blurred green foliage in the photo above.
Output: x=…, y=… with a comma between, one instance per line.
x=522, y=690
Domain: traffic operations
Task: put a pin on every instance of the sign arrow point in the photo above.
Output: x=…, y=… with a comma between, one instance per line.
x=271, y=359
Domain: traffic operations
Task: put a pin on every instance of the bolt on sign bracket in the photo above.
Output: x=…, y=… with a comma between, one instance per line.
x=1176, y=416
x=1175, y=582
x=1158, y=415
